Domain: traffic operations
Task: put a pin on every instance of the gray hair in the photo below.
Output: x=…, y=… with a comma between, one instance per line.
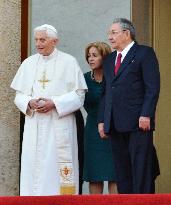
x=126, y=25
x=50, y=30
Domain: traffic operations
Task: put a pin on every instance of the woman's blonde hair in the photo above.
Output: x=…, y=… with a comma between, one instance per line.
x=102, y=47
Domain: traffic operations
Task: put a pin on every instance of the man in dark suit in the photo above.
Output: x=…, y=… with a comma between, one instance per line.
x=127, y=110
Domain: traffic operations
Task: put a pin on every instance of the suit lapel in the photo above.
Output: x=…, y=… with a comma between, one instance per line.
x=127, y=60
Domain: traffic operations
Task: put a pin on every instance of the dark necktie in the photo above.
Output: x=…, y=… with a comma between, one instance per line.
x=118, y=63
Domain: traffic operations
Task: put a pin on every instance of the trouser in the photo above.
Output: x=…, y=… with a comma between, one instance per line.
x=136, y=161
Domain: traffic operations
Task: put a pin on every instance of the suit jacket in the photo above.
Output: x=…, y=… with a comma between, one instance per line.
x=133, y=92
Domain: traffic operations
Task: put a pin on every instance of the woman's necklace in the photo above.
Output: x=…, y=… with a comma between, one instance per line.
x=93, y=78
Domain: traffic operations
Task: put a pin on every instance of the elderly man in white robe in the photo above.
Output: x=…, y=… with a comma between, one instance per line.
x=49, y=88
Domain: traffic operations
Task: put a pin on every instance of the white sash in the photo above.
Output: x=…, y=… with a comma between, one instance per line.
x=66, y=171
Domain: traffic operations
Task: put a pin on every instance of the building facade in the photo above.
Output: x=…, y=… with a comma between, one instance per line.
x=78, y=23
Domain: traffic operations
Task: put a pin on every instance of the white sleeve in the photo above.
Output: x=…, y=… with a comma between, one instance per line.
x=21, y=101
x=69, y=102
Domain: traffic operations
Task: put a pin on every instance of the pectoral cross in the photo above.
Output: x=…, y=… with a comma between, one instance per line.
x=44, y=80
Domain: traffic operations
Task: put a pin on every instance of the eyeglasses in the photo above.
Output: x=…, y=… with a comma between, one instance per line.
x=115, y=33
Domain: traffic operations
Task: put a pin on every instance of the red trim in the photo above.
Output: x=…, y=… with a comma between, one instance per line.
x=118, y=199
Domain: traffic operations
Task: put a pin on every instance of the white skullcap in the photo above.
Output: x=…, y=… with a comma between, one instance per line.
x=47, y=27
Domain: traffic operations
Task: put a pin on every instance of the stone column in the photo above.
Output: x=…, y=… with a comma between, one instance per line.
x=10, y=38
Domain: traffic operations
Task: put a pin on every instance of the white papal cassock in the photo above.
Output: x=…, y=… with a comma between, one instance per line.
x=49, y=164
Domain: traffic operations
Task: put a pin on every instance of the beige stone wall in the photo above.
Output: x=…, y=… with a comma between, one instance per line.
x=10, y=26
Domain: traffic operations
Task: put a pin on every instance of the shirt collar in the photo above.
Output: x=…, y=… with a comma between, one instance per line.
x=52, y=55
x=125, y=50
